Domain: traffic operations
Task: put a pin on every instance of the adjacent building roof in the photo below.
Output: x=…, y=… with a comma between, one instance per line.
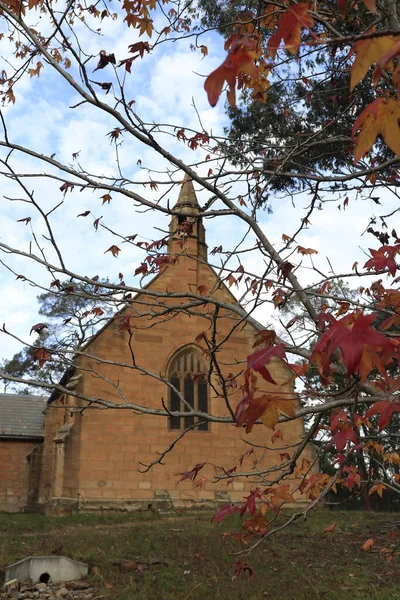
x=21, y=416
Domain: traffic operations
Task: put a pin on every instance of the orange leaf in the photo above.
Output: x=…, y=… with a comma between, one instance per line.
x=114, y=251
x=368, y=51
x=41, y=355
x=344, y=307
x=240, y=60
x=378, y=488
x=289, y=28
x=371, y=5
x=330, y=528
x=368, y=544
x=306, y=251
x=385, y=62
x=379, y=117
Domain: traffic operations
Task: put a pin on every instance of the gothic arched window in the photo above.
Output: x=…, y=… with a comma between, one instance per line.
x=184, y=374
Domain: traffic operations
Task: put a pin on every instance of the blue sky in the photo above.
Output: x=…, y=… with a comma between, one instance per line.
x=164, y=85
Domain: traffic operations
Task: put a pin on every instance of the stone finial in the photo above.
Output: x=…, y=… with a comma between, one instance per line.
x=187, y=201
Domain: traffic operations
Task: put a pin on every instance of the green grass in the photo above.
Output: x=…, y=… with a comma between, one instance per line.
x=184, y=556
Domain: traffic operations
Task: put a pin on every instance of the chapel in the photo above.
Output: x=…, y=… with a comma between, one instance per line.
x=98, y=458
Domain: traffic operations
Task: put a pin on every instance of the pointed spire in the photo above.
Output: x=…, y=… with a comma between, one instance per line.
x=187, y=201
x=187, y=207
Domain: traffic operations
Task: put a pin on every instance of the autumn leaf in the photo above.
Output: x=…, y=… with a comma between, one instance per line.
x=36, y=71
x=345, y=435
x=224, y=511
x=41, y=355
x=378, y=488
x=306, y=251
x=125, y=324
x=363, y=348
x=368, y=544
x=84, y=214
x=368, y=52
x=114, y=250
x=342, y=7
x=191, y=475
x=38, y=328
x=344, y=307
x=380, y=117
x=385, y=410
x=240, y=61
x=106, y=198
x=267, y=407
x=26, y=220
x=114, y=134
x=265, y=337
x=278, y=435
x=142, y=269
x=106, y=87
x=140, y=48
x=371, y=5
x=104, y=60
x=203, y=290
x=66, y=186
x=290, y=24
x=96, y=223
x=146, y=26
x=385, y=62
x=260, y=358
x=279, y=494
x=383, y=259
x=330, y=528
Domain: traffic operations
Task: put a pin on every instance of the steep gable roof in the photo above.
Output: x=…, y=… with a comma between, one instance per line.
x=21, y=416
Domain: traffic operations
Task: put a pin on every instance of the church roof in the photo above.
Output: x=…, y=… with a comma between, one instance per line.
x=21, y=416
x=187, y=199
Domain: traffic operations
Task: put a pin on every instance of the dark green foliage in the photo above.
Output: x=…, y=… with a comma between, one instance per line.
x=303, y=131
x=69, y=324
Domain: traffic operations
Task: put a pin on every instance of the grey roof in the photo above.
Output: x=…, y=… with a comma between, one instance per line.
x=21, y=416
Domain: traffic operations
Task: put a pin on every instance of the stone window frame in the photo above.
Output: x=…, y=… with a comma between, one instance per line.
x=186, y=362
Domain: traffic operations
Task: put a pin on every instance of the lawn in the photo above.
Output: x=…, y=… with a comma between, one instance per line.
x=183, y=556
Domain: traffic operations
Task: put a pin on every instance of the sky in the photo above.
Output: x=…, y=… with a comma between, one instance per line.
x=167, y=86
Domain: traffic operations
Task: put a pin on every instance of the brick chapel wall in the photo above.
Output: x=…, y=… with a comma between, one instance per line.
x=53, y=421
x=113, y=442
x=14, y=474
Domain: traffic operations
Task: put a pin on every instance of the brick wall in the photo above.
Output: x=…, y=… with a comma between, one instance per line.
x=14, y=473
x=104, y=449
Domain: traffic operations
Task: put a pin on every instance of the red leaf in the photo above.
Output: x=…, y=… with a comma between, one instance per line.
x=38, y=327
x=125, y=324
x=383, y=259
x=342, y=7
x=244, y=567
x=385, y=409
x=262, y=357
x=141, y=270
x=224, y=511
x=347, y=434
x=362, y=346
x=191, y=475
x=84, y=214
